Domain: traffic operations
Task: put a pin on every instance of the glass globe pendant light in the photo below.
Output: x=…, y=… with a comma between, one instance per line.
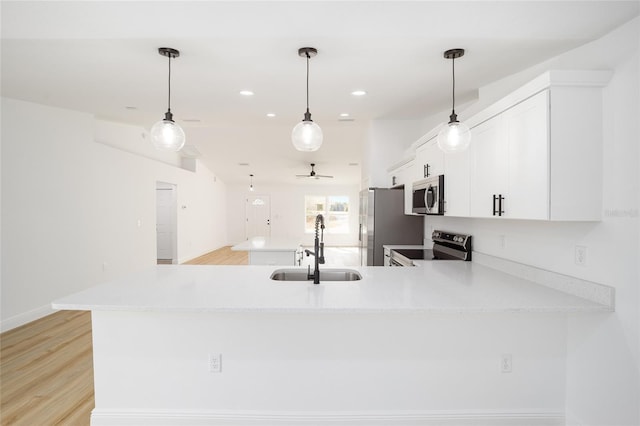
x=307, y=135
x=455, y=135
x=166, y=134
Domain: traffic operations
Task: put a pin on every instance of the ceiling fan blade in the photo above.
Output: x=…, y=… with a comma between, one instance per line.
x=314, y=175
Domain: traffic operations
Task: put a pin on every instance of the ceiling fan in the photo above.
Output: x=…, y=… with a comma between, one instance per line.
x=313, y=174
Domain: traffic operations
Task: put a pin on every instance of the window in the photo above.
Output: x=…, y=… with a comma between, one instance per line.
x=334, y=208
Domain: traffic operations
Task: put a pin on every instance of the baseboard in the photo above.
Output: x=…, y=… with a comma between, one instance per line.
x=102, y=417
x=24, y=318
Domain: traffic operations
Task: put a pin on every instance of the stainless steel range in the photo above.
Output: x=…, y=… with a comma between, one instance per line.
x=446, y=246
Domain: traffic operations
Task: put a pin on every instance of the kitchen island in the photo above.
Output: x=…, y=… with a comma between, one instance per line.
x=181, y=344
x=270, y=251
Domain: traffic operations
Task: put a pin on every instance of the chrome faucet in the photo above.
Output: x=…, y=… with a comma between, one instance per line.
x=318, y=253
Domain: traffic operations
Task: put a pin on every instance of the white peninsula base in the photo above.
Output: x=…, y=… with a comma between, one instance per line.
x=270, y=251
x=328, y=369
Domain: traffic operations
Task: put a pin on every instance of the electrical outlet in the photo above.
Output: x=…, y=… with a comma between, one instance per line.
x=581, y=255
x=505, y=363
x=215, y=363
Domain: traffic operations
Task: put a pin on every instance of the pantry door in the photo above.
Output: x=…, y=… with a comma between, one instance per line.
x=258, y=216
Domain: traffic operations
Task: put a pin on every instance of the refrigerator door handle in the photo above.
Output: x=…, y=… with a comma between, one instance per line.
x=360, y=232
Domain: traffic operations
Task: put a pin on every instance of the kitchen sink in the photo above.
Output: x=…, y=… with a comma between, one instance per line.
x=325, y=275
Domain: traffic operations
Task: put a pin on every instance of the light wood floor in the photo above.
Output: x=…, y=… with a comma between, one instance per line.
x=46, y=371
x=222, y=256
x=46, y=366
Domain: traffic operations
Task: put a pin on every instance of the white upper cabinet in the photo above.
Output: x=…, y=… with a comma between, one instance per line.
x=403, y=174
x=537, y=154
x=456, y=184
x=509, y=163
x=429, y=160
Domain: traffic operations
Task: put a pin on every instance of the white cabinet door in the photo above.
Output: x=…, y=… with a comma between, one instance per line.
x=510, y=162
x=429, y=160
x=395, y=178
x=527, y=133
x=404, y=175
x=456, y=184
x=408, y=175
x=488, y=168
x=387, y=256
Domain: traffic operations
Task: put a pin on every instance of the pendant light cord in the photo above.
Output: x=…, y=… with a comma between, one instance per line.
x=453, y=78
x=169, y=96
x=308, y=57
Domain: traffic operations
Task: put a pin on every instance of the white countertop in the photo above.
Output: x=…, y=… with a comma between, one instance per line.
x=437, y=287
x=267, y=244
x=398, y=247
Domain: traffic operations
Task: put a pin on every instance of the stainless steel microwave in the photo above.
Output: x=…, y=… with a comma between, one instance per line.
x=428, y=196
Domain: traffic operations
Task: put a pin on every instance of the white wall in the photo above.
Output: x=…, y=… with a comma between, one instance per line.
x=603, y=362
x=385, y=145
x=71, y=207
x=287, y=211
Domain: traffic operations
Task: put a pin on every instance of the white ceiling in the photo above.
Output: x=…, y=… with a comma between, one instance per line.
x=101, y=57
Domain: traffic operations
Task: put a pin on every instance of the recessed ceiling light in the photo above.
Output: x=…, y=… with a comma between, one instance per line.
x=358, y=93
x=344, y=114
x=270, y=115
x=246, y=93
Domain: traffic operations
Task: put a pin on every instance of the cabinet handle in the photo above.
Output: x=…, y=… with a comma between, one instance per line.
x=425, y=171
x=498, y=211
x=393, y=181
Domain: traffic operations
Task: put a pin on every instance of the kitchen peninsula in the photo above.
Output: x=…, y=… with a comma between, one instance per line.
x=228, y=345
x=270, y=251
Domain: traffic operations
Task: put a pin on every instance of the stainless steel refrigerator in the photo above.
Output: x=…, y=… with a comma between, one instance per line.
x=383, y=222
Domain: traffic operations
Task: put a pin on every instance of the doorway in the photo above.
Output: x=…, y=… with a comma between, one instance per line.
x=258, y=215
x=166, y=223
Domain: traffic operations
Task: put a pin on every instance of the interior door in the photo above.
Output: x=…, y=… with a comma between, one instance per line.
x=258, y=214
x=165, y=221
